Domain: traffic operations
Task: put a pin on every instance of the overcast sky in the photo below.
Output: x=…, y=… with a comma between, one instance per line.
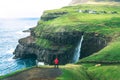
x=28, y=8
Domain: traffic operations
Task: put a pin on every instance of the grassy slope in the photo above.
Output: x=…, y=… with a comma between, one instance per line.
x=14, y=73
x=108, y=72
x=70, y=72
x=105, y=24
x=83, y=72
x=109, y=53
x=75, y=21
x=73, y=72
x=91, y=72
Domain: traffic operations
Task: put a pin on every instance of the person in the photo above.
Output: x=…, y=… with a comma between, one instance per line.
x=56, y=62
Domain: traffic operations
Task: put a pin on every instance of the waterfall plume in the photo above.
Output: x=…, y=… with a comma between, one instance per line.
x=77, y=51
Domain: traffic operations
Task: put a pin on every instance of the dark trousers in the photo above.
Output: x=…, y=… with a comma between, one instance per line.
x=56, y=65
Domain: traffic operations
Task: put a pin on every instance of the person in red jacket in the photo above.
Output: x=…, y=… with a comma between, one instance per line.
x=56, y=62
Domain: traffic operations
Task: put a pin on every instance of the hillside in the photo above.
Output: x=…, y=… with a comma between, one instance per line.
x=67, y=72
x=50, y=73
x=36, y=74
x=59, y=31
x=102, y=21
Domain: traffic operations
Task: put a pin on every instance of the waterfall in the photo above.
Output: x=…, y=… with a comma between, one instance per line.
x=77, y=51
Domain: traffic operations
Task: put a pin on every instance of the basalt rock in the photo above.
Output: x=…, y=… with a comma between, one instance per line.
x=93, y=42
x=62, y=47
x=64, y=44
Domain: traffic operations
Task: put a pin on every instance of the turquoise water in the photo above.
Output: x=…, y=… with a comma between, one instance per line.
x=10, y=33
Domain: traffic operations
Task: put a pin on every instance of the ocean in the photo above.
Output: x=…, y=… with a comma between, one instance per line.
x=11, y=30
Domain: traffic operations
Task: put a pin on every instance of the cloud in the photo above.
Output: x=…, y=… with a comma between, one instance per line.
x=28, y=8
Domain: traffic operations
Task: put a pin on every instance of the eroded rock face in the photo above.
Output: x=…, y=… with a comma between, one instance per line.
x=63, y=46
x=64, y=38
x=92, y=43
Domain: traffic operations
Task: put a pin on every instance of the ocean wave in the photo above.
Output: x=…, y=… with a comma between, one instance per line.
x=10, y=50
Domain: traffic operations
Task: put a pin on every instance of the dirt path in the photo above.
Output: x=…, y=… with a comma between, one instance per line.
x=37, y=74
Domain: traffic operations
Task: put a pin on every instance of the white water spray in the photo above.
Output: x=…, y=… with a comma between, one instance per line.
x=77, y=51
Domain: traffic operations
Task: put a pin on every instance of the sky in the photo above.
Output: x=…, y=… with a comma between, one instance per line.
x=28, y=8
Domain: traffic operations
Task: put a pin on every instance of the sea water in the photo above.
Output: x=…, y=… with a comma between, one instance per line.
x=11, y=30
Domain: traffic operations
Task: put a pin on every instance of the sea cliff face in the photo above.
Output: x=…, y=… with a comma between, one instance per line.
x=63, y=46
x=59, y=32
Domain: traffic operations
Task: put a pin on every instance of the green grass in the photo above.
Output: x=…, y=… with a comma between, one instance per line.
x=106, y=24
x=109, y=53
x=43, y=42
x=82, y=72
x=47, y=44
x=13, y=73
x=90, y=72
x=73, y=72
x=109, y=72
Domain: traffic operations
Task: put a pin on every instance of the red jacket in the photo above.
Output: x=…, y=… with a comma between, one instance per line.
x=56, y=61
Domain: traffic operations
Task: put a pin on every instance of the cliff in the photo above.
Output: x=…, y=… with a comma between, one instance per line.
x=60, y=45
x=59, y=31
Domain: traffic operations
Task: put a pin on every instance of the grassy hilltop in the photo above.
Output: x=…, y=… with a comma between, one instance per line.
x=99, y=19
x=105, y=21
